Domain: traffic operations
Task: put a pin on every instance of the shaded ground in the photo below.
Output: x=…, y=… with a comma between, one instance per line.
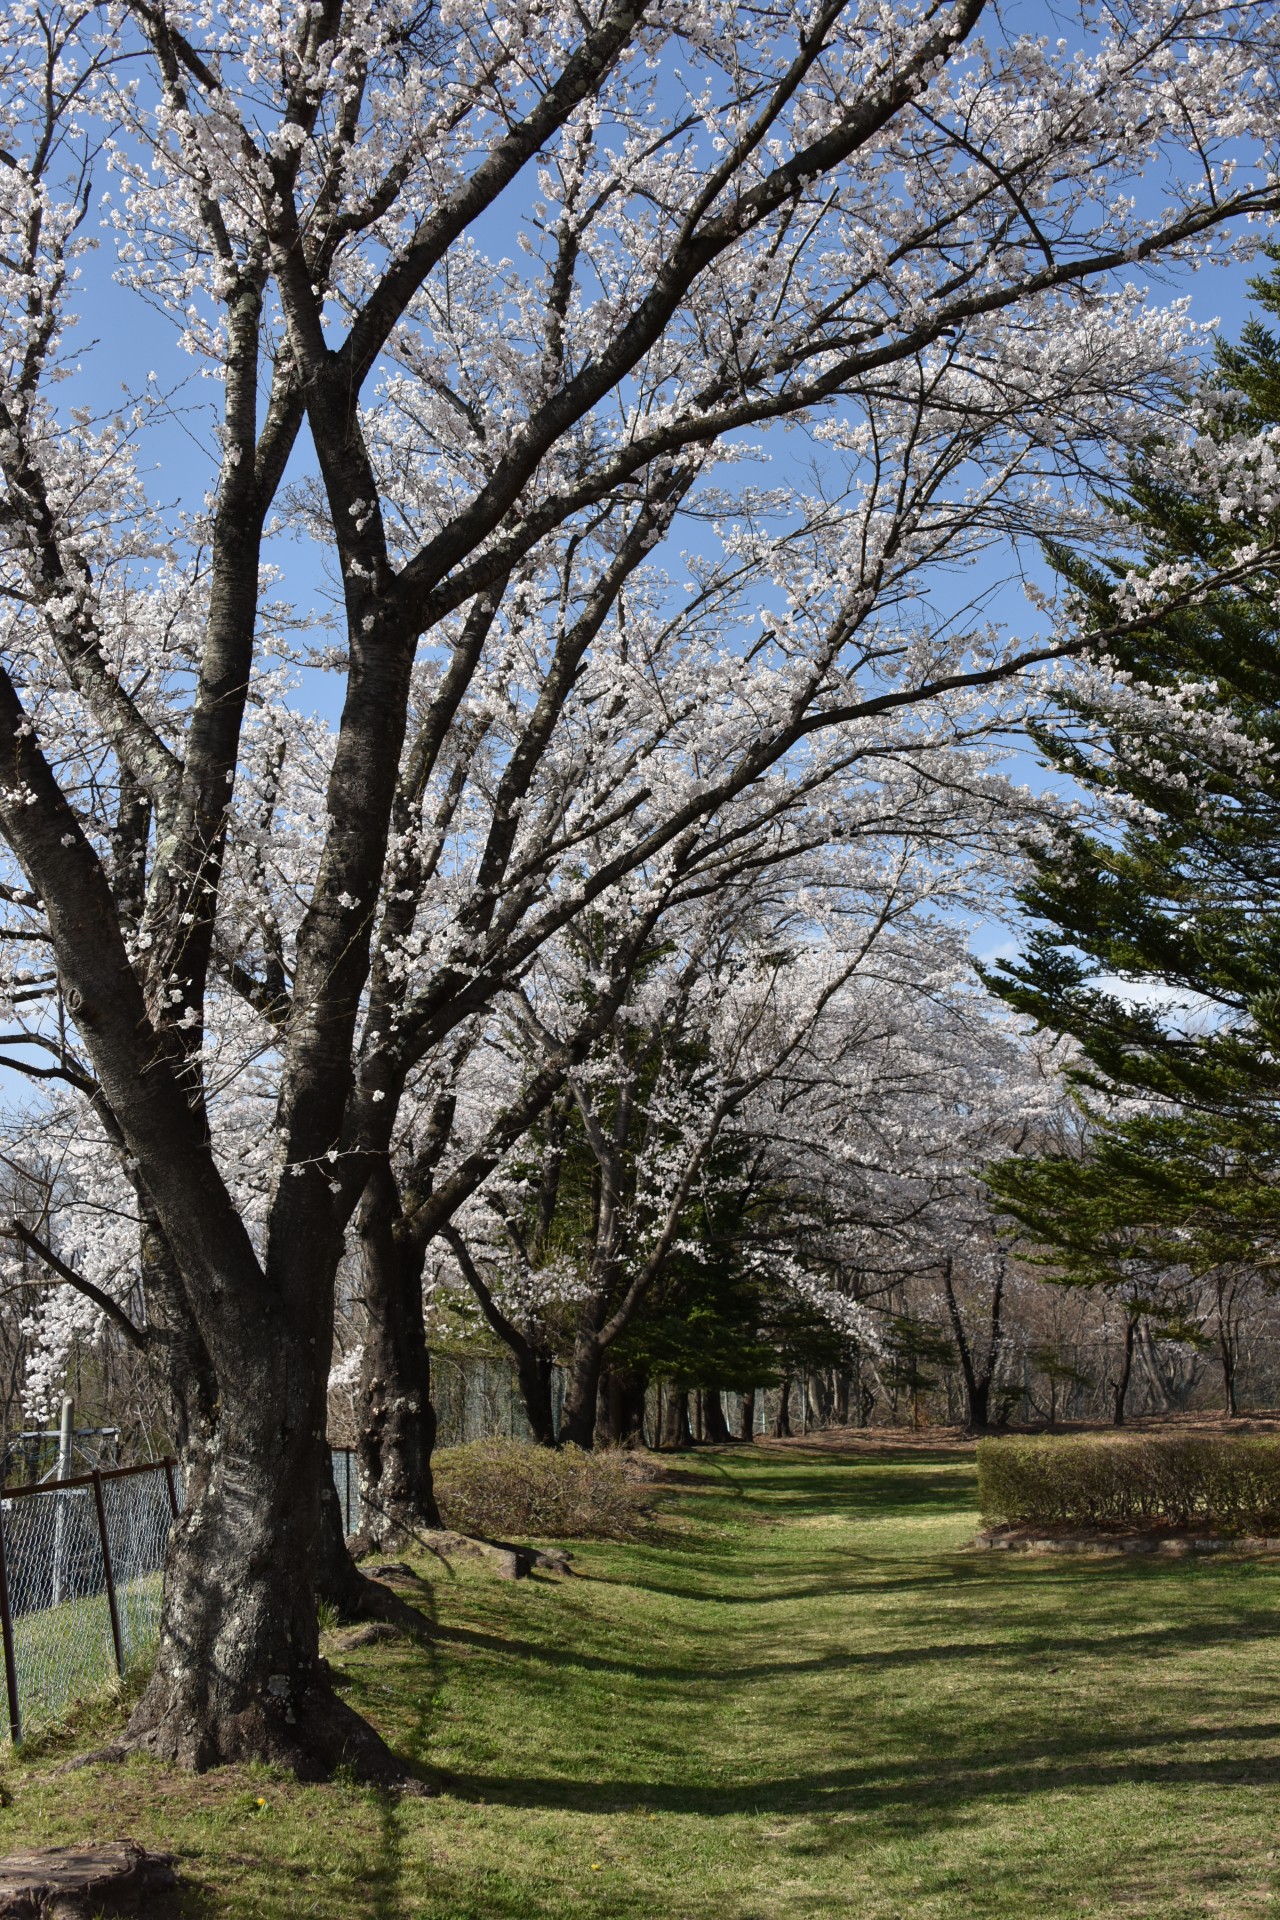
x=801, y=1697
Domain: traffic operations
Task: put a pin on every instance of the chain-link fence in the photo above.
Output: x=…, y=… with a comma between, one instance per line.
x=476, y=1397
x=33, y=1455
x=346, y=1484
x=81, y=1579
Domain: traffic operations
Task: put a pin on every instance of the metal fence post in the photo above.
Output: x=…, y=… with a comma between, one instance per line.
x=6, y=1627
x=106, y=1568
x=66, y=1438
x=168, y=1464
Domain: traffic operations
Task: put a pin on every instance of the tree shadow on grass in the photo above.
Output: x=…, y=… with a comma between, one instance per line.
x=932, y=1482
x=1019, y=1647
x=925, y=1791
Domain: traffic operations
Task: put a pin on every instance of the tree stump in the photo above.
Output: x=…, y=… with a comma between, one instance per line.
x=75, y=1883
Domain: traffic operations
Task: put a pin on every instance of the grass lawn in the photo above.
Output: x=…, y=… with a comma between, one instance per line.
x=801, y=1698
x=65, y=1654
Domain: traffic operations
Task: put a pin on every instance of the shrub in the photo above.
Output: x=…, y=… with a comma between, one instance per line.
x=508, y=1488
x=1229, y=1484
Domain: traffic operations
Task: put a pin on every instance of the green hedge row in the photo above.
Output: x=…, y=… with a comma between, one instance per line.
x=1231, y=1484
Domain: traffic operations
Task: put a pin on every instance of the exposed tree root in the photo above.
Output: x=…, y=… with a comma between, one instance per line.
x=312, y=1736
x=369, y=1598
x=508, y=1562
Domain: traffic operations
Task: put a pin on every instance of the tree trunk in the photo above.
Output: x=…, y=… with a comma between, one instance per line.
x=608, y=1427
x=715, y=1427
x=533, y=1366
x=977, y=1384
x=182, y=1359
x=1226, y=1351
x=397, y=1424
x=620, y=1416
x=782, y=1425
x=578, y=1415
x=1126, y=1371
x=978, y=1405
x=840, y=1400
x=748, y=1427
x=819, y=1399
x=1228, y=1376
x=533, y=1371
x=675, y=1419
x=238, y=1676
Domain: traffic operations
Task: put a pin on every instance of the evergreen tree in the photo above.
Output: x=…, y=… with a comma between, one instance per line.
x=1178, y=1161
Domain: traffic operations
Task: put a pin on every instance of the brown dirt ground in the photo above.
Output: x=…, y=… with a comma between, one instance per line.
x=885, y=1440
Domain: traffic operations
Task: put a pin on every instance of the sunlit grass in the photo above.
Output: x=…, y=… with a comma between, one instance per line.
x=64, y=1656
x=801, y=1697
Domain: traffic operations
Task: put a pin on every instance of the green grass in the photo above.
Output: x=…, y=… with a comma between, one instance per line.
x=64, y=1656
x=801, y=1699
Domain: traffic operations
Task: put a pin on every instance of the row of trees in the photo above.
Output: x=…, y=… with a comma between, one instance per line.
x=593, y=410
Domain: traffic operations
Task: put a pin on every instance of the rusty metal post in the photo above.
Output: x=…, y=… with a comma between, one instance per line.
x=6, y=1627
x=168, y=1464
x=106, y=1568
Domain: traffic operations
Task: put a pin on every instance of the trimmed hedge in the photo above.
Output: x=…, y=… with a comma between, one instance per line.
x=508, y=1488
x=1230, y=1484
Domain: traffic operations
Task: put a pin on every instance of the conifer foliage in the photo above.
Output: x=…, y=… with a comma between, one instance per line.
x=1156, y=943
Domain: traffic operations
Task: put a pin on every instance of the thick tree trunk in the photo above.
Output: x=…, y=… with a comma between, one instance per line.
x=397, y=1425
x=676, y=1432
x=979, y=1406
x=176, y=1350
x=578, y=1415
x=840, y=1400
x=747, y=1428
x=620, y=1414
x=635, y=1395
x=238, y=1675
x=782, y=1425
x=715, y=1427
x=533, y=1371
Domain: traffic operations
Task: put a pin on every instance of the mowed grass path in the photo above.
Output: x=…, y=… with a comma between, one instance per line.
x=802, y=1697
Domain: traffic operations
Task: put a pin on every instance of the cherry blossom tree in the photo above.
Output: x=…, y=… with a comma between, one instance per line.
x=865, y=220
x=767, y=938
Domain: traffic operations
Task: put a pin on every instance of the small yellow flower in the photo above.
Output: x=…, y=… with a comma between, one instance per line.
x=595, y=1866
